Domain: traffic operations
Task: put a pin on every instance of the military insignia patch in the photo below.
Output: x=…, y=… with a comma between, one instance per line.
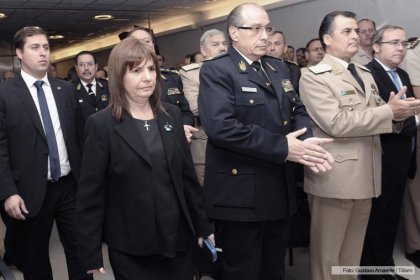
x=373, y=89
x=104, y=97
x=173, y=91
x=287, y=85
x=242, y=66
x=347, y=92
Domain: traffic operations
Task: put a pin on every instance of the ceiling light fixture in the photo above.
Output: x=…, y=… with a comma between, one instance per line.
x=56, y=37
x=103, y=17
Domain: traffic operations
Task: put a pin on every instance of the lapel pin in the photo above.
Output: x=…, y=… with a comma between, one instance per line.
x=168, y=127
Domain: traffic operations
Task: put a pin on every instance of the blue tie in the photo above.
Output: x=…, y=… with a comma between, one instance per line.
x=49, y=132
x=395, y=80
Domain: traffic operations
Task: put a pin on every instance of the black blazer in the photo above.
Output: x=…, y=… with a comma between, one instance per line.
x=246, y=176
x=117, y=171
x=398, y=160
x=23, y=145
x=86, y=105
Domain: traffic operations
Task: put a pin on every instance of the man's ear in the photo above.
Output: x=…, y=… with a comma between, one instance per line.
x=233, y=32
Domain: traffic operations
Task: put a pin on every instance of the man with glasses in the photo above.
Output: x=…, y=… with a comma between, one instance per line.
x=91, y=92
x=367, y=28
x=398, y=151
x=344, y=103
x=256, y=125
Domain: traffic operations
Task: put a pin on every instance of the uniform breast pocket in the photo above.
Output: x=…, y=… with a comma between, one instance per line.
x=250, y=109
x=234, y=188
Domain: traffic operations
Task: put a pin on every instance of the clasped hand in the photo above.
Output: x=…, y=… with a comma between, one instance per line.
x=403, y=108
x=309, y=152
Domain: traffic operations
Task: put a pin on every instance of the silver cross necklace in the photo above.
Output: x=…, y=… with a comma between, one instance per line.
x=146, y=125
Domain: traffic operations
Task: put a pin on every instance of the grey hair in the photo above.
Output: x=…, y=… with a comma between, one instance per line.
x=379, y=34
x=208, y=34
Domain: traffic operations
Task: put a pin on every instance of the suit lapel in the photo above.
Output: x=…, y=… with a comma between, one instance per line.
x=402, y=76
x=84, y=94
x=276, y=81
x=128, y=130
x=384, y=77
x=22, y=92
x=59, y=98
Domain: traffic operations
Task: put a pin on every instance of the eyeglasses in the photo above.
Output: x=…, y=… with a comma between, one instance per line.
x=258, y=29
x=84, y=64
x=397, y=43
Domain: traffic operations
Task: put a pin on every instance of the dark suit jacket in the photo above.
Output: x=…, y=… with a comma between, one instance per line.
x=246, y=176
x=398, y=160
x=172, y=92
x=117, y=175
x=23, y=145
x=86, y=105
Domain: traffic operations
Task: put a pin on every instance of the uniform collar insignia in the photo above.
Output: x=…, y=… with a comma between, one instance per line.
x=79, y=86
x=242, y=66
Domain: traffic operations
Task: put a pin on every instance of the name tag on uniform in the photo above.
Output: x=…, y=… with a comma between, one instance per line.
x=249, y=89
x=348, y=92
x=173, y=91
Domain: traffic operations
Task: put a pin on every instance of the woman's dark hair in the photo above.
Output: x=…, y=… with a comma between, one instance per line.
x=126, y=55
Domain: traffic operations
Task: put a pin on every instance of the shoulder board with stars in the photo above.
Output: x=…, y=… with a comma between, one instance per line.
x=414, y=43
x=320, y=68
x=191, y=66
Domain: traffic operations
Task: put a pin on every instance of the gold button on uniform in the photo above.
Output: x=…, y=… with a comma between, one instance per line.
x=251, y=101
x=234, y=171
x=285, y=123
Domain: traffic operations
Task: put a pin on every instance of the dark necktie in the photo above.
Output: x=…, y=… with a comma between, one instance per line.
x=91, y=93
x=49, y=132
x=256, y=65
x=353, y=71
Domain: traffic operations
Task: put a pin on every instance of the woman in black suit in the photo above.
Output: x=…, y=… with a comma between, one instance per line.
x=138, y=191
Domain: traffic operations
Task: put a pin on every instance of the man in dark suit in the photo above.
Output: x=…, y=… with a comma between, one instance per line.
x=39, y=160
x=92, y=93
x=398, y=151
x=253, y=121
